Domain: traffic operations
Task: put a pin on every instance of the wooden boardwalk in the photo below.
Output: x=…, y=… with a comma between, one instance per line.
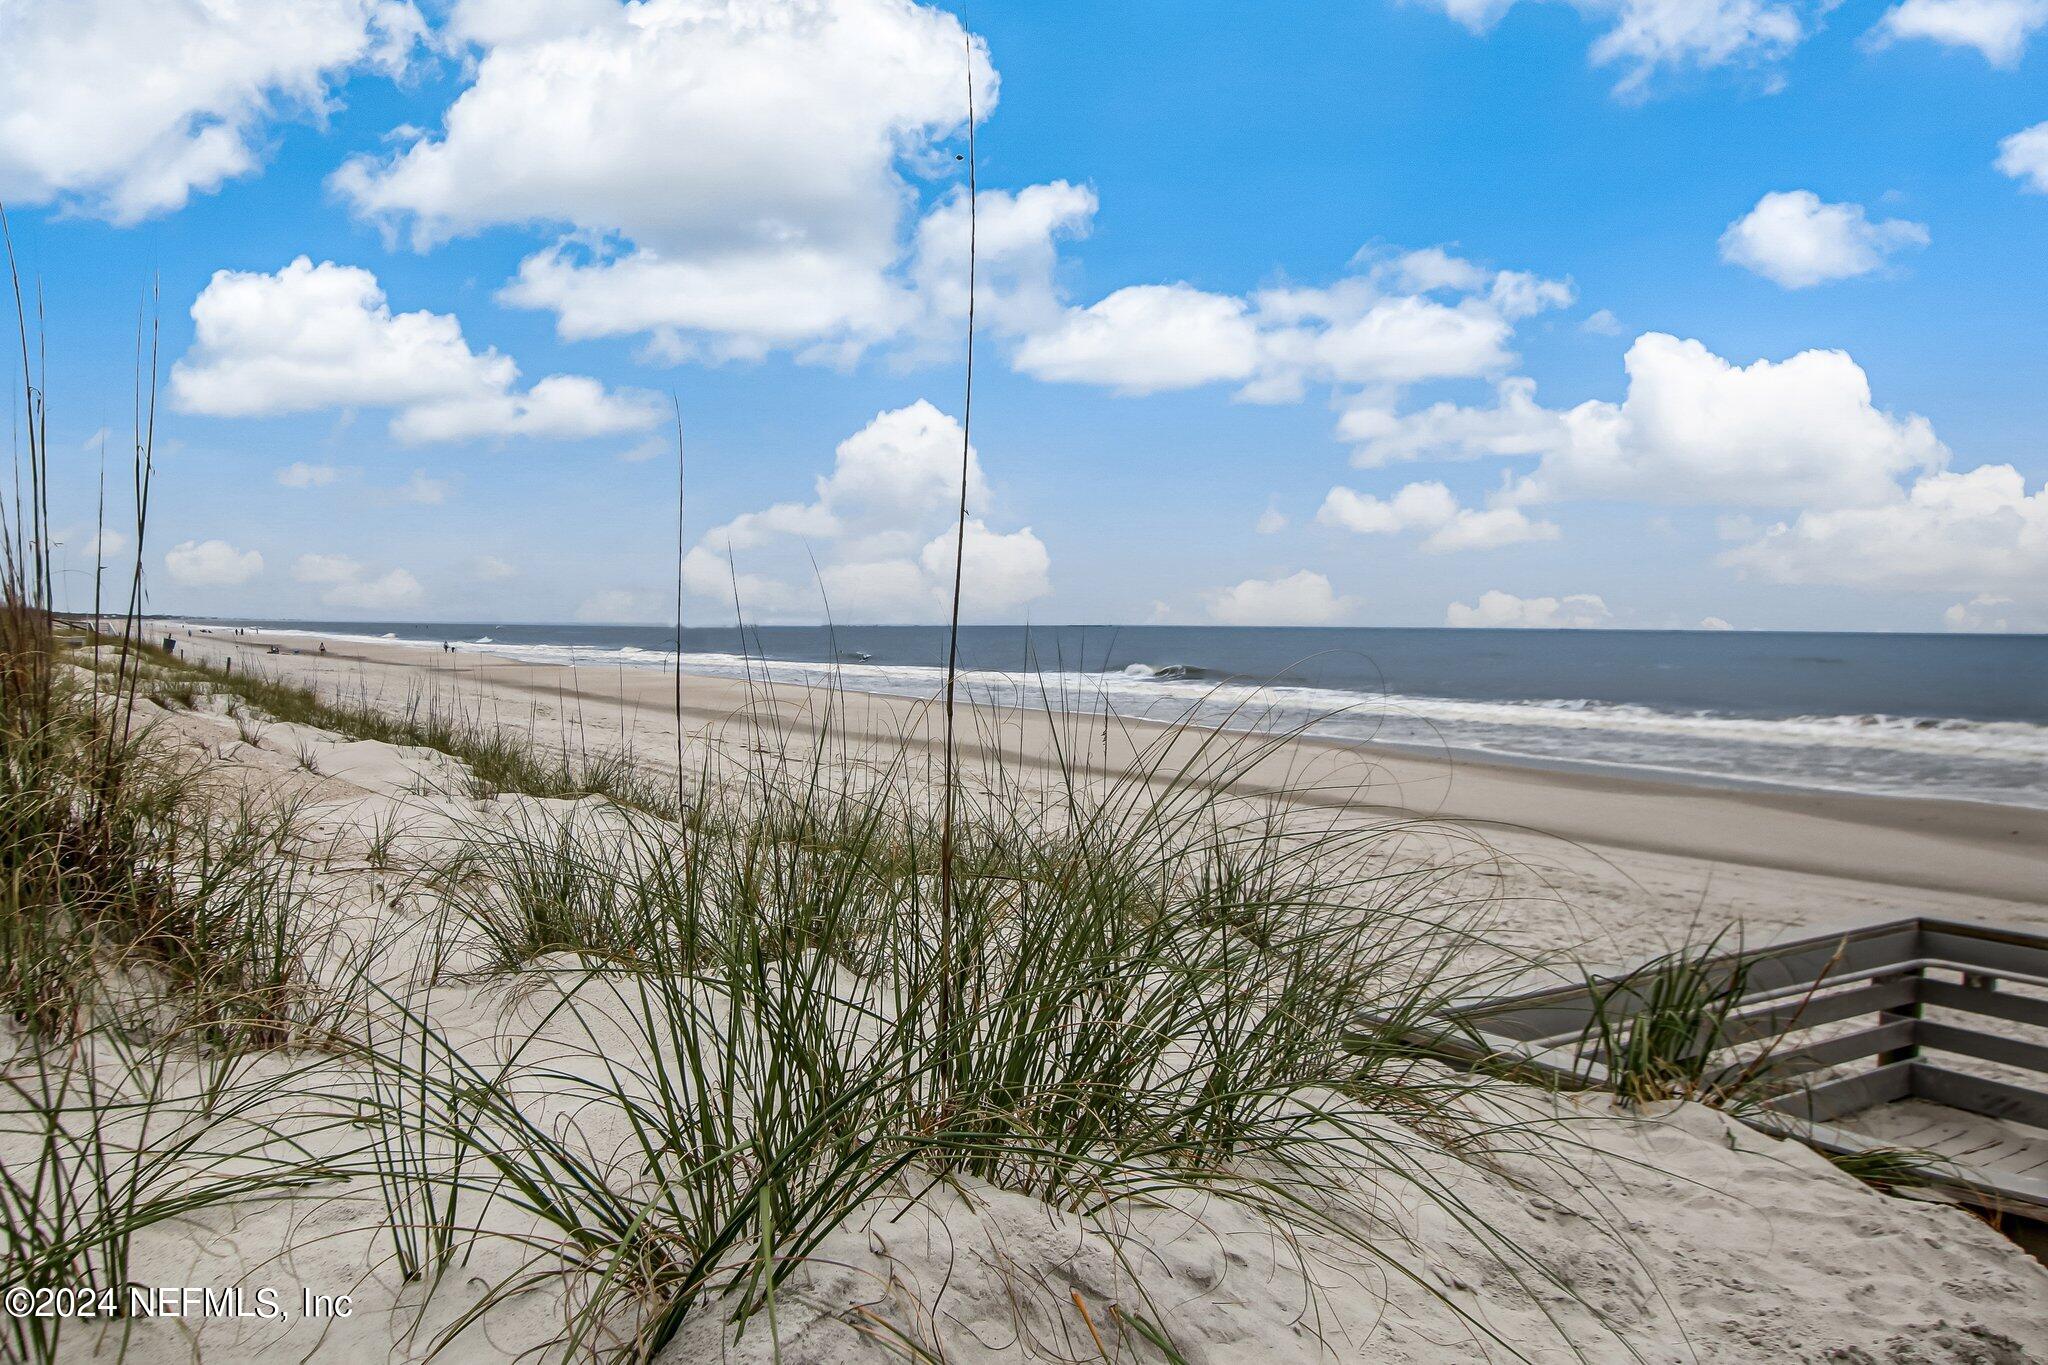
x=1993, y=1146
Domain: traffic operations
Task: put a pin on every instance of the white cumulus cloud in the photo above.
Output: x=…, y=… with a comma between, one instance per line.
x=1515, y=425
x=1793, y=239
x=1499, y=610
x=1002, y=571
x=729, y=177
x=126, y=108
x=96, y=544
x=325, y=568
x=349, y=583
x=1147, y=338
x=106, y=544
x=1694, y=429
x=1300, y=599
x=1976, y=531
x=322, y=336
x=1433, y=508
x=1398, y=320
x=1983, y=614
x=881, y=528
x=1016, y=251
x=1647, y=36
x=392, y=588
x=211, y=564
x=2024, y=157
x=1999, y=29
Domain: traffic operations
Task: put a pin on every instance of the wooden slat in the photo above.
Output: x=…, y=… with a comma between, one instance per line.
x=2020, y=1009
x=1832, y=1099
x=1989, y=1046
x=1993, y=1099
x=1988, y=949
x=2002, y=1191
x=1839, y=954
x=1803, y=1012
x=1528, y=1022
x=1564, y=1012
x=1849, y=1047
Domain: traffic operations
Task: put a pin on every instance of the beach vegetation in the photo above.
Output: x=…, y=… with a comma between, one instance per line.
x=1669, y=1029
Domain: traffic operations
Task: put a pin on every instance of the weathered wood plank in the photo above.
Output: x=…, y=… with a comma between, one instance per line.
x=1979, y=1095
x=2008, y=1005
x=1846, y=1094
x=1805, y=1012
x=1989, y=1046
x=1850, y=1047
x=1991, y=950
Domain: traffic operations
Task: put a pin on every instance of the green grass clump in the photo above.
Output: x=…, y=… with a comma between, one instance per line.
x=116, y=860
x=1660, y=1031
x=1890, y=1169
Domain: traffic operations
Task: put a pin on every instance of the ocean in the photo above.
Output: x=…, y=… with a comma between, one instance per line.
x=1958, y=717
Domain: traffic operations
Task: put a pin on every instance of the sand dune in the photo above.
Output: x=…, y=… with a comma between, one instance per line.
x=1669, y=1233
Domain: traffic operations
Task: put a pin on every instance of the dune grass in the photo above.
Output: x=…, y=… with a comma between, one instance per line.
x=118, y=861
x=499, y=758
x=1661, y=1029
x=118, y=1132
x=1893, y=1168
x=746, y=1003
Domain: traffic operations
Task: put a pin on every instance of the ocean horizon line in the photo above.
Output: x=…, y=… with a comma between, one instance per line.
x=1088, y=625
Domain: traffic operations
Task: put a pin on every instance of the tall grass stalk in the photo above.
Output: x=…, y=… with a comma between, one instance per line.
x=946, y=964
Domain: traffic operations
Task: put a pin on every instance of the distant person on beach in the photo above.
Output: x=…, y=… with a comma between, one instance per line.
x=323, y=646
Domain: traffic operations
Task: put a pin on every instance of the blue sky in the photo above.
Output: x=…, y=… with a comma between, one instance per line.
x=1610, y=312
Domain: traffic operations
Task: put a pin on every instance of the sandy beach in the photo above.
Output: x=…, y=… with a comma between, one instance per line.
x=1618, y=866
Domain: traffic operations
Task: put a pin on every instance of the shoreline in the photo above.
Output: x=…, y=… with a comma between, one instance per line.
x=1969, y=849
x=1640, y=740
